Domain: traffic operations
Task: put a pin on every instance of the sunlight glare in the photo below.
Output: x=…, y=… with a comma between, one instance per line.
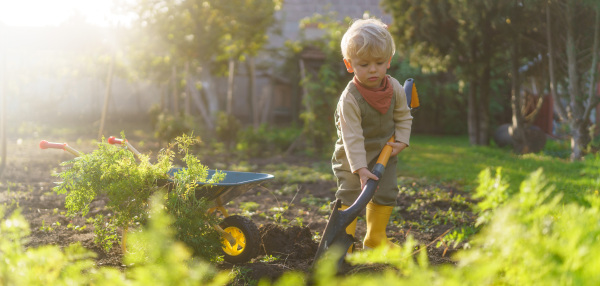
x=39, y=13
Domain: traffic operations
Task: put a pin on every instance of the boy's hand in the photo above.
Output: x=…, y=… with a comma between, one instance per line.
x=397, y=147
x=365, y=175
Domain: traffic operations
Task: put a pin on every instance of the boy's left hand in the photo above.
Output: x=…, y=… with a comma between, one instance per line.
x=397, y=147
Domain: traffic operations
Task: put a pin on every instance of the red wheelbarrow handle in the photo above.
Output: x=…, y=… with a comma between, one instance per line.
x=52, y=145
x=113, y=140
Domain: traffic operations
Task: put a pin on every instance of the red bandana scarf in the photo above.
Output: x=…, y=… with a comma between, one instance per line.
x=381, y=98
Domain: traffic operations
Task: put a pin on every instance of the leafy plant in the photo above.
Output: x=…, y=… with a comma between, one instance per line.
x=105, y=232
x=168, y=126
x=46, y=228
x=227, y=129
x=241, y=276
x=264, y=140
x=532, y=238
x=323, y=84
x=114, y=172
x=192, y=222
x=155, y=258
x=454, y=238
x=493, y=192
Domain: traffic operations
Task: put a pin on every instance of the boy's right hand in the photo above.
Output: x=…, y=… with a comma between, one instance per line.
x=364, y=174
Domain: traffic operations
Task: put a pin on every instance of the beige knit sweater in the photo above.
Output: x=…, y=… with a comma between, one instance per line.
x=351, y=129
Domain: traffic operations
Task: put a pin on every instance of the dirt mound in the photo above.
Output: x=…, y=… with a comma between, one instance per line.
x=291, y=243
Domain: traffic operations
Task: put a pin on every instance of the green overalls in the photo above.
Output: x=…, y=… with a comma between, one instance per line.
x=377, y=130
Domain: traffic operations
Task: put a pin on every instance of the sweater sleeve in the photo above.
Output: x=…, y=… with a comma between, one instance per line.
x=402, y=116
x=352, y=133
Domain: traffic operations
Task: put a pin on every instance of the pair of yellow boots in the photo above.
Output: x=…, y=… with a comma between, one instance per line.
x=377, y=218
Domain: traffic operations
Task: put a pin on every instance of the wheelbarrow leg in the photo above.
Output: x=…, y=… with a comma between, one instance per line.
x=224, y=234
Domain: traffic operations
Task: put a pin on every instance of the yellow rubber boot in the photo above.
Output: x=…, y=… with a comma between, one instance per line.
x=351, y=228
x=378, y=217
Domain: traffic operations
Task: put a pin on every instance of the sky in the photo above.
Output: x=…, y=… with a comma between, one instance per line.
x=40, y=13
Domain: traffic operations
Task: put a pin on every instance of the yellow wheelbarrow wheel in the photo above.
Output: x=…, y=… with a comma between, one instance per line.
x=247, y=239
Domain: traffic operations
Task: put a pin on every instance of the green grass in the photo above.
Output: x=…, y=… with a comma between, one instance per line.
x=452, y=160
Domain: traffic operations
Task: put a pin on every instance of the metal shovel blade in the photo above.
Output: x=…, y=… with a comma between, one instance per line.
x=335, y=230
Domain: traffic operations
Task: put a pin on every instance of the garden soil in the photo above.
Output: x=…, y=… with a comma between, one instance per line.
x=289, y=240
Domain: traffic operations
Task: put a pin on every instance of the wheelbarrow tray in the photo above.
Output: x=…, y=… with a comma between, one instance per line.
x=234, y=185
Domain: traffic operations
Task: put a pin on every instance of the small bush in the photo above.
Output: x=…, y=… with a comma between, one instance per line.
x=114, y=172
x=530, y=238
x=155, y=258
x=265, y=140
x=168, y=126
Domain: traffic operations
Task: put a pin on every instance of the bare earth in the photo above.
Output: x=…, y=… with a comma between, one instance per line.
x=27, y=184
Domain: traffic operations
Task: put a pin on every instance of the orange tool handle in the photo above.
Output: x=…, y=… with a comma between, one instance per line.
x=384, y=156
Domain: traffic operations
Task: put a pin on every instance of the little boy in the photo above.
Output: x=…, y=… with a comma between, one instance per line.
x=370, y=110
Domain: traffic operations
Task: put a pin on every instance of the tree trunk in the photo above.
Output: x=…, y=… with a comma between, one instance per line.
x=558, y=106
x=164, y=94
x=174, y=92
x=210, y=92
x=251, y=94
x=186, y=94
x=3, y=83
x=519, y=134
x=485, y=88
x=580, y=136
x=266, y=97
x=230, y=77
x=472, y=118
x=106, y=97
x=483, y=108
x=198, y=102
x=572, y=66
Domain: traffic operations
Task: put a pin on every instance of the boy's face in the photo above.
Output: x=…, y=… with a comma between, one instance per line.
x=369, y=71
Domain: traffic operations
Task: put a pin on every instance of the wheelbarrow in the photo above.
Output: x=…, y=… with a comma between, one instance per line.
x=239, y=235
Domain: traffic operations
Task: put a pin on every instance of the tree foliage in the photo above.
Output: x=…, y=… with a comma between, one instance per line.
x=179, y=41
x=486, y=40
x=459, y=36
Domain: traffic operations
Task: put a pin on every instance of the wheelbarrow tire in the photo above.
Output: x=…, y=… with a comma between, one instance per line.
x=247, y=239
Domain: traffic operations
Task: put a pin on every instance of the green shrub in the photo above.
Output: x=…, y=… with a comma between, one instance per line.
x=227, y=129
x=265, y=140
x=113, y=172
x=534, y=239
x=168, y=126
x=531, y=238
x=154, y=258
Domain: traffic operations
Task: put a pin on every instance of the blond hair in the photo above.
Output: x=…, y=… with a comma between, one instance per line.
x=368, y=38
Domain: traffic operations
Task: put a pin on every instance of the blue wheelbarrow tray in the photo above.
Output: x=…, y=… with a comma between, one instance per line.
x=234, y=185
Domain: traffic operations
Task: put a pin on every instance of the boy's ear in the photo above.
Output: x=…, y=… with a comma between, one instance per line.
x=348, y=66
x=389, y=63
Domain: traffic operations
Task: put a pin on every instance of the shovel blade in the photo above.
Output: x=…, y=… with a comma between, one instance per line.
x=335, y=232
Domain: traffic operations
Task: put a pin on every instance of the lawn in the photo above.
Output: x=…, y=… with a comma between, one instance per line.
x=451, y=159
